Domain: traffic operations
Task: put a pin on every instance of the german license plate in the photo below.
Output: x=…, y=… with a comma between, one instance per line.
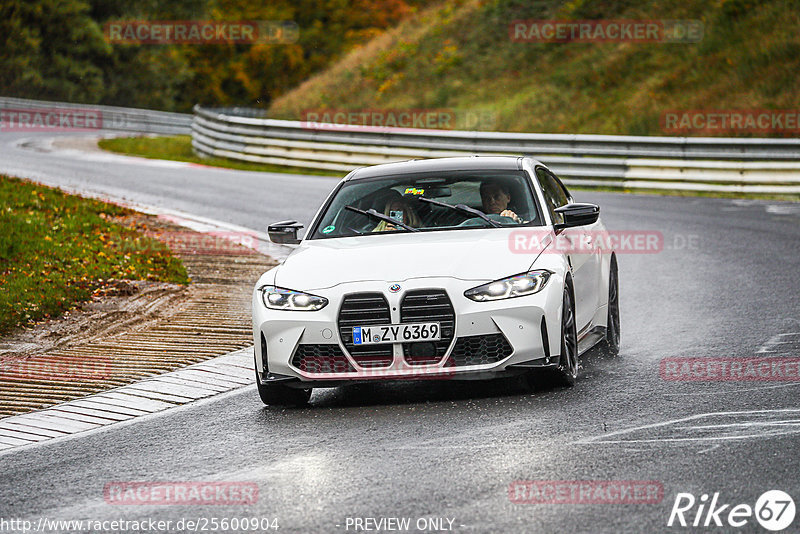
x=396, y=333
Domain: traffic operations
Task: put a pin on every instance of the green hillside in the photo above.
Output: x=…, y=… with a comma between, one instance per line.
x=459, y=56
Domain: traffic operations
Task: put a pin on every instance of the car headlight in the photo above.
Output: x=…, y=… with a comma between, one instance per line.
x=514, y=286
x=277, y=298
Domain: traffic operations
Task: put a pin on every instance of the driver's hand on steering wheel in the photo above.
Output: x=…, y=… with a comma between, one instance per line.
x=511, y=215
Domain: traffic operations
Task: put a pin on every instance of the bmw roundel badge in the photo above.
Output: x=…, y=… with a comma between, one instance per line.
x=394, y=288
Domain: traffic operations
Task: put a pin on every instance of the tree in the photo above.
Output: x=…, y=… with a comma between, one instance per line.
x=51, y=50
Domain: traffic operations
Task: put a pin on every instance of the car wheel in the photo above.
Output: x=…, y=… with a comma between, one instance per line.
x=277, y=394
x=567, y=371
x=280, y=395
x=611, y=341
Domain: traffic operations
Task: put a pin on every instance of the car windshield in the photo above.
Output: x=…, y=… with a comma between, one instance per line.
x=453, y=200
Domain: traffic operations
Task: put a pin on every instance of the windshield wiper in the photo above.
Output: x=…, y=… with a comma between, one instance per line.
x=381, y=217
x=463, y=209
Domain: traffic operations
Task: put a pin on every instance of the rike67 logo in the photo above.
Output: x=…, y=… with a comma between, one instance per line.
x=774, y=510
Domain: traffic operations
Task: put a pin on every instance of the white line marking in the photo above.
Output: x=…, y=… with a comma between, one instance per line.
x=603, y=438
x=726, y=391
x=745, y=424
x=711, y=448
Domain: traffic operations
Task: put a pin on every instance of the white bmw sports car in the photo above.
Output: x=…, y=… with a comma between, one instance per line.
x=453, y=268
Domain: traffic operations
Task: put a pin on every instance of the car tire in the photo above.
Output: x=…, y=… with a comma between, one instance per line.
x=281, y=395
x=566, y=373
x=610, y=343
x=277, y=394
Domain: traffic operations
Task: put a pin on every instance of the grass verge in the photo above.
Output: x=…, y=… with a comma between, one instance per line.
x=460, y=58
x=57, y=249
x=179, y=148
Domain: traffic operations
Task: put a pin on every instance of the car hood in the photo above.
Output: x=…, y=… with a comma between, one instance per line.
x=479, y=254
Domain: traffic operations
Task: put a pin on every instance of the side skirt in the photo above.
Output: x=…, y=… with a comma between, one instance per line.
x=590, y=337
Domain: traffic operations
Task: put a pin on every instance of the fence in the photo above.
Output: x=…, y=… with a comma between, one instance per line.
x=109, y=117
x=748, y=165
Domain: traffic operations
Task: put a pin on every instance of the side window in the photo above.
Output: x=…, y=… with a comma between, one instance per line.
x=561, y=187
x=554, y=194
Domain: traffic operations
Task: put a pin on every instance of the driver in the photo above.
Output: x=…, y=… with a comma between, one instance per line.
x=401, y=210
x=495, y=197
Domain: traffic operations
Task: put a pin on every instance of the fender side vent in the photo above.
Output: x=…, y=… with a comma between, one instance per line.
x=545, y=339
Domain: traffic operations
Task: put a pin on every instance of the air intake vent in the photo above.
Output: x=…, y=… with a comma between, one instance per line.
x=365, y=309
x=428, y=306
x=321, y=359
x=480, y=350
x=545, y=339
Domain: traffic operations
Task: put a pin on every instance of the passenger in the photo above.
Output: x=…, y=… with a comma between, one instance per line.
x=495, y=197
x=401, y=210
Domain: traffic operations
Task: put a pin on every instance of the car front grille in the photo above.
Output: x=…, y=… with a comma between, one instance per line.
x=365, y=309
x=321, y=359
x=480, y=350
x=428, y=306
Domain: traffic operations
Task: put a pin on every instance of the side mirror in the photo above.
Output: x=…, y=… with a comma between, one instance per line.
x=284, y=232
x=578, y=214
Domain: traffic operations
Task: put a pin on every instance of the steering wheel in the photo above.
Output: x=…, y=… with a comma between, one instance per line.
x=477, y=221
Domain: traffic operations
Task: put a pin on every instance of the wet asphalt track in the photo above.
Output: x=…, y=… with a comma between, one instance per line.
x=726, y=285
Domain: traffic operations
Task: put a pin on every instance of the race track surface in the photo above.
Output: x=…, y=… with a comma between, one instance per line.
x=725, y=285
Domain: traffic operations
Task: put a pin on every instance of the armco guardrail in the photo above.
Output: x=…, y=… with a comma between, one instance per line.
x=107, y=117
x=746, y=165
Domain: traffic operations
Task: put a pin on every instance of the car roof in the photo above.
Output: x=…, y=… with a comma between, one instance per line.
x=467, y=163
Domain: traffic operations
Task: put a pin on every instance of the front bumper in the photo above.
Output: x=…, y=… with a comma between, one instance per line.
x=488, y=338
